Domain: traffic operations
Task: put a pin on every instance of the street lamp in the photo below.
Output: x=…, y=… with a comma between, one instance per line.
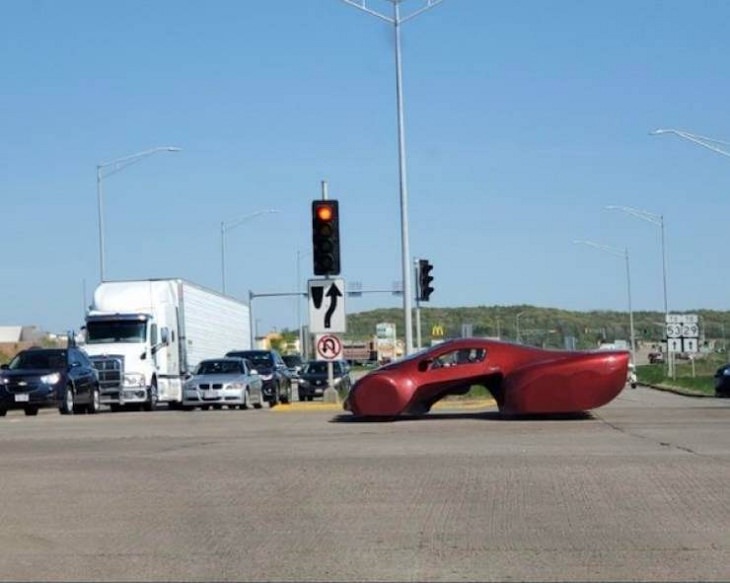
x=517, y=326
x=620, y=253
x=397, y=20
x=225, y=227
x=113, y=167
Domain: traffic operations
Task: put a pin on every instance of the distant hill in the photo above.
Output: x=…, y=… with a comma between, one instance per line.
x=538, y=326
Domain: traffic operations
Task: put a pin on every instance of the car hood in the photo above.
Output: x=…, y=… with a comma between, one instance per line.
x=29, y=373
x=317, y=376
x=217, y=378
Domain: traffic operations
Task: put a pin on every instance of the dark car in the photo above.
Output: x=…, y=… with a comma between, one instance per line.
x=314, y=378
x=294, y=363
x=522, y=380
x=722, y=381
x=656, y=358
x=49, y=377
x=277, y=381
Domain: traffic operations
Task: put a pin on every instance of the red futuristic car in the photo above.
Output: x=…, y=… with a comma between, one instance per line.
x=522, y=379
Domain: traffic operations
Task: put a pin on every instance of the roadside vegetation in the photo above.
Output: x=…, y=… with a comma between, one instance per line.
x=696, y=377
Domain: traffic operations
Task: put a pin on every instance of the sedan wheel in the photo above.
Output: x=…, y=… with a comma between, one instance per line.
x=67, y=406
x=246, y=400
x=93, y=407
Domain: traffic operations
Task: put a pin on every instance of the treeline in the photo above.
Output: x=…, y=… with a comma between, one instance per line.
x=548, y=327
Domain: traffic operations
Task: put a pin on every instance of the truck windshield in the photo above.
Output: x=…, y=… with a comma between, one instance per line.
x=115, y=331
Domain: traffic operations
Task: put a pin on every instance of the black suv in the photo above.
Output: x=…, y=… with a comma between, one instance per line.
x=277, y=380
x=314, y=379
x=49, y=377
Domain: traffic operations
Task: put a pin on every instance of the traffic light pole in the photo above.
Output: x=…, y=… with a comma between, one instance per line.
x=417, y=274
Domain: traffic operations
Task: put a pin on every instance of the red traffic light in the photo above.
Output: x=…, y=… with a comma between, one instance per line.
x=325, y=237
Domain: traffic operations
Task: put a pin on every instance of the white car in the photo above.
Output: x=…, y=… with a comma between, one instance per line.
x=632, y=379
x=223, y=381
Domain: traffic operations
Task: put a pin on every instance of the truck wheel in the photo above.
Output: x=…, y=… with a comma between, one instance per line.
x=67, y=405
x=151, y=403
x=31, y=411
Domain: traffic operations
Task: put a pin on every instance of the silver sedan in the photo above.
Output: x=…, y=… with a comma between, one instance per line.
x=223, y=381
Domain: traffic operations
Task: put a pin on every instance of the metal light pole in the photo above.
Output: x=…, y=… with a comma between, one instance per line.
x=517, y=325
x=225, y=227
x=620, y=253
x=656, y=220
x=397, y=20
x=115, y=166
x=709, y=143
x=299, y=301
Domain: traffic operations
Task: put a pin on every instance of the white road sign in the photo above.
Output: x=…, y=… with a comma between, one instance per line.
x=327, y=306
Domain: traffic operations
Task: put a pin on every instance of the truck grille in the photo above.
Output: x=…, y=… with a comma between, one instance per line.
x=110, y=369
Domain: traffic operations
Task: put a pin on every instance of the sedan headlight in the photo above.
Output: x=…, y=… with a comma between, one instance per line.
x=51, y=379
x=726, y=372
x=133, y=379
x=235, y=386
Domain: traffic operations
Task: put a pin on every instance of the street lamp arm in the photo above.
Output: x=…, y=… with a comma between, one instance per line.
x=361, y=4
x=704, y=141
x=225, y=227
x=638, y=213
x=612, y=250
x=122, y=163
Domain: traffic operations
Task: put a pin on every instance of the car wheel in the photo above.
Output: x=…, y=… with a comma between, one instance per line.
x=302, y=396
x=286, y=398
x=31, y=411
x=93, y=407
x=151, y=403
x=67, y=405
x=3, y=412
x=274, y=401
x=246, y=400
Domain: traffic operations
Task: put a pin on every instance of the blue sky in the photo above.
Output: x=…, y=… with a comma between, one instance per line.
x=523, y=120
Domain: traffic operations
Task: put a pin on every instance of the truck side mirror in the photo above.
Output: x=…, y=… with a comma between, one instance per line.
x=165, y=336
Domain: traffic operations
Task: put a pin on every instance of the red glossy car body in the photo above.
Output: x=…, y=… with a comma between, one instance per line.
x=523, y=380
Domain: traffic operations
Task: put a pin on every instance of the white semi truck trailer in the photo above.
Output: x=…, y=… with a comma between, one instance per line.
x=145, y=336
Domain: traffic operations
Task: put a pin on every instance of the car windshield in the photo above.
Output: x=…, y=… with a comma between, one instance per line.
x=115, y=331
x=291, y=361
x=219, y=367
x=317, y=368
x=261, y=360
x=39, y=359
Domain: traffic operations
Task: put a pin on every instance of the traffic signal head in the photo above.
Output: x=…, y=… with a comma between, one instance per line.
x=326, y=237
x=425, y=289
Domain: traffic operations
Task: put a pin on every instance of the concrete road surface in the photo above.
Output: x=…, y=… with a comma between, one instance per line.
x=636, y=491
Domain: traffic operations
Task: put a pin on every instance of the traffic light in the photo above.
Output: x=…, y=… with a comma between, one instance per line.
x=326, y=237
x=424, y=280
